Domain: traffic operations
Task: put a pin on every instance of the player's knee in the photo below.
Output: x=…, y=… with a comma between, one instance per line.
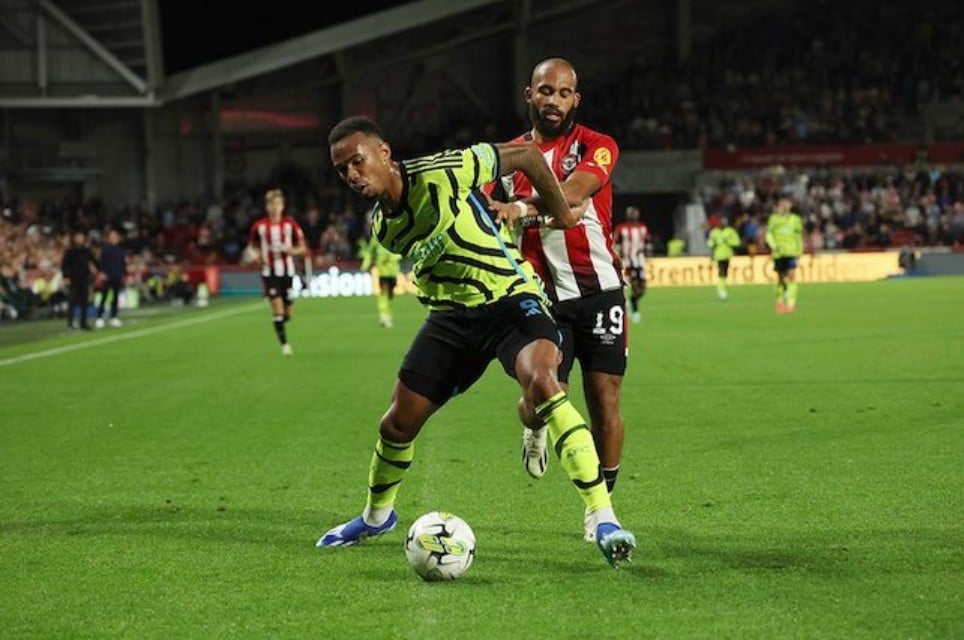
x=541, y=386
x=397, y=427
x=394, y=430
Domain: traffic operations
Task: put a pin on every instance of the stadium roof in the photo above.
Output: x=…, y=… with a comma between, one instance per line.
x=80, y=53
x=312, y=45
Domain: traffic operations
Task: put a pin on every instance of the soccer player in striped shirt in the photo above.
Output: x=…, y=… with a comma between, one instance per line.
x=785, y=239
x=582, y=273
x=484, y=303
x=274, y=241
x=631, y=237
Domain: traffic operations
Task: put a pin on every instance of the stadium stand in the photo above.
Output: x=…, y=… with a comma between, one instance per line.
x=827, y=73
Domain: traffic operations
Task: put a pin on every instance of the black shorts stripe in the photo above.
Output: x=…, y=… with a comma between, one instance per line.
x=382, y=488
x=562, y=439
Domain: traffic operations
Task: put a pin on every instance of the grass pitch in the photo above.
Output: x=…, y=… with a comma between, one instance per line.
x=787, y=477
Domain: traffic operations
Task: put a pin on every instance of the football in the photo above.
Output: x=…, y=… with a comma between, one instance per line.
x=440, y=546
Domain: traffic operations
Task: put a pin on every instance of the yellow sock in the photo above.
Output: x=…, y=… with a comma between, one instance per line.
x=389, y=463
x=792, y=293
x=573, y=443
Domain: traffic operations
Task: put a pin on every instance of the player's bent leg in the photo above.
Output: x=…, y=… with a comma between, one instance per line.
x=536, y=372
x=393, y=455
x=535, y=454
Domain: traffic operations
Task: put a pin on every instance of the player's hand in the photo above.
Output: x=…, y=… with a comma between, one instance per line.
x=504, y=212
x=578, y=211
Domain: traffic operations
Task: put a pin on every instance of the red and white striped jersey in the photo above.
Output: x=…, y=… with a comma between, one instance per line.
x=275, y=241
x=631, y=239
x=579, y=261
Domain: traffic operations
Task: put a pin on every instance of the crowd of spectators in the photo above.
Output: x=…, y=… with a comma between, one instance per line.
x=842, y=210
x=834, y=72
x=160, y=244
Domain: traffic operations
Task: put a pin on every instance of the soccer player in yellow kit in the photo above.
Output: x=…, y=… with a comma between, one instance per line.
x=785, y=239
x=723, y=239
x=386, y=263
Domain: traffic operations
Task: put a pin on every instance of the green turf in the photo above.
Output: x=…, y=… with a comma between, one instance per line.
x=787, y=477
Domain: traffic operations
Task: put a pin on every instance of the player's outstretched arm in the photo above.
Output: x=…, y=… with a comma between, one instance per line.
x=527, y=158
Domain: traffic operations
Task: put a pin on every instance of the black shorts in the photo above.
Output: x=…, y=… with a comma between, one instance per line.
x=388, y=285
x=593, y=331
x=277, y=287
x=782, y=265
x=453, y=348
x=723, y=267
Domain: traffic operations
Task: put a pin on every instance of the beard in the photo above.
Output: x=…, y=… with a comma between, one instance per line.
x=548, y=129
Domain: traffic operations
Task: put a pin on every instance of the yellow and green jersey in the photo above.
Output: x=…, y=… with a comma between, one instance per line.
x=384, y=261
x=460, y=258
x=785, y=235
x=723, y=240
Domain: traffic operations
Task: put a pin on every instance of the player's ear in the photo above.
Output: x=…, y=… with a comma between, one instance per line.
x=576, y=97
x=527, y=94
x=385, y=151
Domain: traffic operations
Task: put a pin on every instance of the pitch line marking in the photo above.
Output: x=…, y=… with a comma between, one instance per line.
x=128, y=336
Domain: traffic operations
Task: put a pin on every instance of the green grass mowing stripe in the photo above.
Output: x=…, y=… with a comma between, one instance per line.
x=175, y=485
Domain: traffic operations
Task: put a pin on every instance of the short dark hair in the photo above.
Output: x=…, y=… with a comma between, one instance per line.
x=354, y=124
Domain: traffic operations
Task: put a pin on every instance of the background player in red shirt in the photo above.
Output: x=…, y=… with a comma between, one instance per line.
x=274, y=241
x=631, y=237
x=579, y=267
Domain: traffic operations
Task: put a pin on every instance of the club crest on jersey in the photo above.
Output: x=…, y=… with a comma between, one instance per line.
x=569, y=163
x=571, y=160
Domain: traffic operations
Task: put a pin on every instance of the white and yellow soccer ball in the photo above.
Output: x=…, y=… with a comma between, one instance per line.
x=440, y=546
